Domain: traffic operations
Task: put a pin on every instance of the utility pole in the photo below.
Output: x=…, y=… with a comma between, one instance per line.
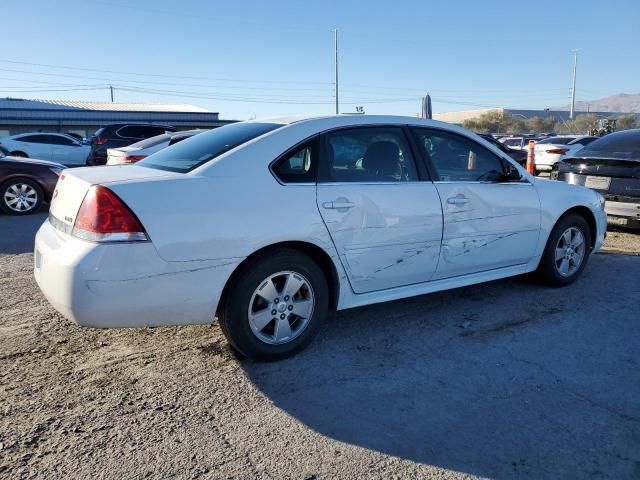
x=111, y=88
x=335, y=43
x=573, y=85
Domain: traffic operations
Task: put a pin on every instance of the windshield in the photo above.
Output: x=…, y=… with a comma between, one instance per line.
x=199, y=149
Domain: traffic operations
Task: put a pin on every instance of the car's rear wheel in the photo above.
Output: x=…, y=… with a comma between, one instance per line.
x=567, y=251
x=18, y=153
x=20, y=196
x=275, y=305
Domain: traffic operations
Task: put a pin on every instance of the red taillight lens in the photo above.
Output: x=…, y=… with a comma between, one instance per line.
x=104, y=217
x=132, y=158
x=558, y=151
x=100, y=140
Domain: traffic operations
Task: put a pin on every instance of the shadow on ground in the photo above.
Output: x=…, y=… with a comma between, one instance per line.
x=17, y=233
x=498, y=380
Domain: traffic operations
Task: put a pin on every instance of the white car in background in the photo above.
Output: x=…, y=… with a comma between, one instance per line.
x=553, y=149
x=54, y=147
x=142, y=149
x=270, y=225
x=516, y=143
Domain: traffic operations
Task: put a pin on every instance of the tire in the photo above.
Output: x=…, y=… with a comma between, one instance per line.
x=563, y=270
x=30, y=196
x=267, y=275
x=19, y=154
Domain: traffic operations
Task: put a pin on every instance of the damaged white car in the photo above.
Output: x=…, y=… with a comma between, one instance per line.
x=269, y=225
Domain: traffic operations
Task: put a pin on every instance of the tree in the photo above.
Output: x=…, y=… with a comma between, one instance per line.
x=540, y=124
x=579, y=125
x=626, y=122
x=491, y=122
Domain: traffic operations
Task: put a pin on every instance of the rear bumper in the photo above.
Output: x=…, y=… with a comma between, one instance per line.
x=622, y=213
x=125, y=285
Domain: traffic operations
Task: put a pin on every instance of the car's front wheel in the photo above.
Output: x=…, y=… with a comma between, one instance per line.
x=20, y=196
x=567, y=251
x=275, y=305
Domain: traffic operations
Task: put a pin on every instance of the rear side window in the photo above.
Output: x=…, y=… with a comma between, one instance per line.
x=199, y=149
x=140, y=131
x=458, y=159
x=298, y=166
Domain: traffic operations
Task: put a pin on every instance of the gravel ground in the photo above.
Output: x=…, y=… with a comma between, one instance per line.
x=501, y=380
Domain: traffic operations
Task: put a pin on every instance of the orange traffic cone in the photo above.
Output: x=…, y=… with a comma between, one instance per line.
x=531, y=157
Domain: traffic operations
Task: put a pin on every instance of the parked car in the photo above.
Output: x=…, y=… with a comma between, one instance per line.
x=54, y=147
x=518, y=142
x=550, y=150
x=120, y=135
x=142, y=149
x=611, y=166
x=519, y=156
x=269, y=225
x=26, y=183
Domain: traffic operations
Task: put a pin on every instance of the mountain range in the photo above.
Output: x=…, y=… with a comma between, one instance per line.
x=622, y=102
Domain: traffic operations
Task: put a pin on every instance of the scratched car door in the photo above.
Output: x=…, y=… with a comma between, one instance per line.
x=488, y=223
x=385, y=221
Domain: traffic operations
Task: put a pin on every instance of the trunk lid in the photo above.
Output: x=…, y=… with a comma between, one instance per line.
x=73, y=185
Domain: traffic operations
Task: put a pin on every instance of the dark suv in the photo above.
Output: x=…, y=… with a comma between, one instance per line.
x=120, y=135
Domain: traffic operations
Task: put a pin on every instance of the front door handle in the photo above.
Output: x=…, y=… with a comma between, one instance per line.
x=339, y=204
x=458, y=200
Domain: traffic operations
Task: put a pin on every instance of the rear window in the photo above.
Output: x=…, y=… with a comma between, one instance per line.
x=199, y=149
x=557, y=140
x=621, y=145
x=152, y=142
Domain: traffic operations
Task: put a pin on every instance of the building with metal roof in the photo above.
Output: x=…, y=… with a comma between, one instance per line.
x=18, y=115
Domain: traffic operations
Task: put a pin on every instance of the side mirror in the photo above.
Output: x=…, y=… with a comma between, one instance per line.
x=511, y=174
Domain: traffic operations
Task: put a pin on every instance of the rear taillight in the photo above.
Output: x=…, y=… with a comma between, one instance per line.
x=100, y=140
x=104, y=217
x=558, y=151
x=132, y=158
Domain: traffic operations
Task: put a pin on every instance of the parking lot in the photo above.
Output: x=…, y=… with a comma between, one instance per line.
x=500, y=380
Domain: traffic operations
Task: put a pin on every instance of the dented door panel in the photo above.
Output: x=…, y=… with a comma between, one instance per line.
x=387, y=235
x=487, y=226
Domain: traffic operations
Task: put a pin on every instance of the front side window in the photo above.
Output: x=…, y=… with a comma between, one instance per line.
x=199, y=149
x=372, y=154
x=458, y=159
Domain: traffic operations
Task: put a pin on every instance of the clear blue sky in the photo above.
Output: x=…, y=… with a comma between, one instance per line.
x=264, y=58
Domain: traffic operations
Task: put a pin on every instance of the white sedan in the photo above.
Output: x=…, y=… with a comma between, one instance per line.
x=137, y=151
x=270, y=225
x=54, y=147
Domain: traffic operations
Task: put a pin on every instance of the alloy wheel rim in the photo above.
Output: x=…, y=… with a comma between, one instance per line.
x=281, y=307
x=20, y=197
x=570, y=251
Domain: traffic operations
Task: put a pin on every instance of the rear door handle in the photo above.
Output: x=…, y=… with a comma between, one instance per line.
x=458, y=200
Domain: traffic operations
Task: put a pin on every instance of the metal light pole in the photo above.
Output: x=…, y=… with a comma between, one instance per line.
x=335, y=42
x=573, y=85
x=111, y=88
